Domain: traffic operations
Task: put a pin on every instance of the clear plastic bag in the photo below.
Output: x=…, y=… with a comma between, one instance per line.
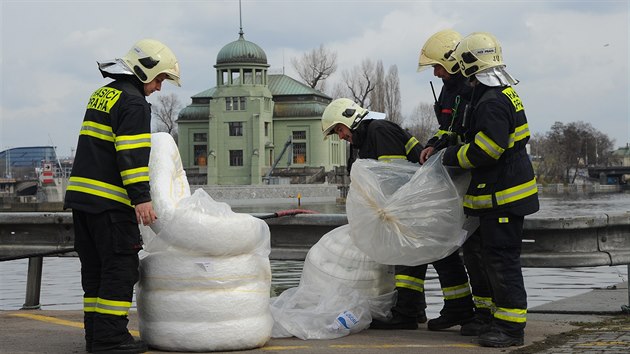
x=404, y=215
x=340, y=291
x=308, y=312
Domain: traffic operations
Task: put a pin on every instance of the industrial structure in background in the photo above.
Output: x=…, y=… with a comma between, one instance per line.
x=32, y=174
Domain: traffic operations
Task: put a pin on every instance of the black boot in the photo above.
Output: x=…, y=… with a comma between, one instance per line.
x=449, y=320
x=422, y=317
x=398, y=321
x=497, y=339
x=478, y=326
x=131, y=346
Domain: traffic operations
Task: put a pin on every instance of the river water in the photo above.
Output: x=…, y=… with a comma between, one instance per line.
x=61, y=286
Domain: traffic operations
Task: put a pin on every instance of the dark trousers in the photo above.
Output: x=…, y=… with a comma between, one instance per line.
x=500, y=252
x=451, y=273
x=108, y=245
x=455, y=287
x=479, y=282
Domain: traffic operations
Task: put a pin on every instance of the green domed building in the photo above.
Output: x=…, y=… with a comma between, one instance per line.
x=237, y=130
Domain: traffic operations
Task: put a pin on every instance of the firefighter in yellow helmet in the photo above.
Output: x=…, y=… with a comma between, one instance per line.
x=380, y=139
x=459, y=308
x=503, y=187
x=109, y=191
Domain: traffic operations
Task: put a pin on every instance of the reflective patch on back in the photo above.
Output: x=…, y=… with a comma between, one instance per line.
x=103, y=99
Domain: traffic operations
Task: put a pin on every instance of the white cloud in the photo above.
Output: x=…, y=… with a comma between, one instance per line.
x=571, y=56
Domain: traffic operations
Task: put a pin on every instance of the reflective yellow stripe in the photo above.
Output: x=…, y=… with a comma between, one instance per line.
x=518, y=192
x=484, y=303
x=477, y=201
x=513, y=96
x=409, y=282
x=410, y=144
x=463, y=160
x=98, y=188
x=127, y=142
x=521, y=132
x=441, y=132
x=488, y=145
x=89, y=304
x=456, y=292
x=511, y=315
x=135, y=175
x=103, y=99
x=96, y=130
x=391, y=157
x=504, y=220
x=112, y=307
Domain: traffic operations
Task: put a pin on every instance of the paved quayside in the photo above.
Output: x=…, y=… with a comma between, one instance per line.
x=588, y=323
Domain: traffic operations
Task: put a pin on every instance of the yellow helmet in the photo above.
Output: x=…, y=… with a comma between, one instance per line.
x=476, y=52
x=437, y=50
x=149, y=58
x=344, y=111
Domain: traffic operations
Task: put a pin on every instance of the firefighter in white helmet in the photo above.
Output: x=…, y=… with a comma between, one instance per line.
x=383, y=140
x=109, y=191
x=503, y=188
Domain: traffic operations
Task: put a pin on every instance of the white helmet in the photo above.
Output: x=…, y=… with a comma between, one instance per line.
x=477, y=52
x=437, y=50
x=344, y=111
x=149, y=58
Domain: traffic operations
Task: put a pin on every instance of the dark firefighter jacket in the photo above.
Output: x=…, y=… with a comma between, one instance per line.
x=449, y=109
x=111, y=166
x=383, y=140
x=494, y=150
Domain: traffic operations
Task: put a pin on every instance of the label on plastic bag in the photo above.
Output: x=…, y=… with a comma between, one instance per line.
x=345, y=320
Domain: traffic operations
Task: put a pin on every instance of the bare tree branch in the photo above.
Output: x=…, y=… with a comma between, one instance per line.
x=165, y=112
x=316, y=66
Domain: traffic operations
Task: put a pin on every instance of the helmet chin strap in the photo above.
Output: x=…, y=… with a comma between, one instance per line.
x=358, y=120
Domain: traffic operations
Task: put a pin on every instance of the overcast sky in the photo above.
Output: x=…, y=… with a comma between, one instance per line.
x=571, y=56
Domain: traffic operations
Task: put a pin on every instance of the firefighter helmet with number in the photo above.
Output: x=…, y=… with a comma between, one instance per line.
x=149, y=58
x=342, y=111
x=437, y=50
x=477, y=52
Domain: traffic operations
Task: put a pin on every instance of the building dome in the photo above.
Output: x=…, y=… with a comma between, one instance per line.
x=241, y=51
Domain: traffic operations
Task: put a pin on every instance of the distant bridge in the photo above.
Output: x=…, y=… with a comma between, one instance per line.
x=609, y=175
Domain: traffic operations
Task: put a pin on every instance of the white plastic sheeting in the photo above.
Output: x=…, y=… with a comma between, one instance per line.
x=340, y=291
x=205, y=276
x=406, y=214
x=168, y=181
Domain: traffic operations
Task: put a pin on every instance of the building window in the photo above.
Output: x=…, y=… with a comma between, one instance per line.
x=299, y=146
x=200, y=148
x=236, y=128
x=299, y=153
x=267, y=124
x=236, y=157
x=235, y=104
x=243, y=105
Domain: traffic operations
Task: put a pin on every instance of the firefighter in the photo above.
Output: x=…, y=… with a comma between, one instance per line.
x=503, y=188
x=109, y=191
x=382, y=140
x=459, y=308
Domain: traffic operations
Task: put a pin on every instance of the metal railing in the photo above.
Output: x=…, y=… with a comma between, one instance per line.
x=582, y=241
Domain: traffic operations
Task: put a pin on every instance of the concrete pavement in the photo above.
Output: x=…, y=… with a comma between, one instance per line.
x=587, y=323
